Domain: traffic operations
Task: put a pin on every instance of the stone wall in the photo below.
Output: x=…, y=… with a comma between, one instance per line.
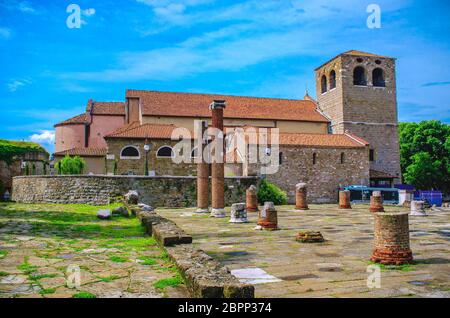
x=100, y=190
x=8, y=171
x=161, y=166
x=325, y=176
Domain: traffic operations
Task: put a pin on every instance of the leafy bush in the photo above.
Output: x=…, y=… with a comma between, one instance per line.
x=269, y=192
x=70, y=165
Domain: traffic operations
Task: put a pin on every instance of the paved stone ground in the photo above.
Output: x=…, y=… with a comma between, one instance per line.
x=39, y=242
x=335, y=268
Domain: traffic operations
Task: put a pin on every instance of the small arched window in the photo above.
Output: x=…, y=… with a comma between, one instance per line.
x=280, y=158
x=378, y=78
x=165, y=152
x=194, y=152
x=314, y=158
x=342, y=157
x=324, y=83
x=130, y=152
x=332, y=79
x=359, y=76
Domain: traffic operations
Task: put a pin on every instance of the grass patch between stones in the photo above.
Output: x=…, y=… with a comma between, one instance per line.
x=84, y=295
x=403, y=268
x=168, y=282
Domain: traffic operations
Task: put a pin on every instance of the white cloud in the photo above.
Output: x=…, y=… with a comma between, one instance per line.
x=241, y=35
x=14, y=84
x=44, y=137
x=26, y=7
x=5, y=33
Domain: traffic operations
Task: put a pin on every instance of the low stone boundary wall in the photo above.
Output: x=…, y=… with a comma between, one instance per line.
x=204, y=276
x=100, y=190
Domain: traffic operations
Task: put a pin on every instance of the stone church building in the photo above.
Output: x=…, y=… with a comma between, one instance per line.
x=347, y=137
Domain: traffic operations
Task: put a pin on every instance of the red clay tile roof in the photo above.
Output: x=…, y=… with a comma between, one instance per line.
x=136, y=131
x=83, y=152
x=358, y=139
x=156, y=131
x=106, y=108
x=77, y=120
x=361, y=53
x=319, y=140
x=314, y=140
x=375, y=174
x=353, y=53
x=197, y=105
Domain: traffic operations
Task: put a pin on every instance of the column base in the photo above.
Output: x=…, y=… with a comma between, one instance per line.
x=415, y=213
x=269, y=226
x=202, y=211
x=376, y=209
x=252, y=210
x=238, y=221
x=302, y=208
x=345, y=207
x=392, y=256
x=217, y=213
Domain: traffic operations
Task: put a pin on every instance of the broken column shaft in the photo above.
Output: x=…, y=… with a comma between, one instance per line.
x=344, y=200
x=376, y=202
x=218, y=172
x=268, y=217
x=392, y=239
x=202, y=176
x=300, y=197
x=251, y=196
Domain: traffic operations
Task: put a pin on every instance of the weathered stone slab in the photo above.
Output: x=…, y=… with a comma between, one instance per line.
x=169, y=234
x=205, y=277
x=104, y=214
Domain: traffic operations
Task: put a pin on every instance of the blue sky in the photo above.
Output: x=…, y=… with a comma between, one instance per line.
x=249, y=47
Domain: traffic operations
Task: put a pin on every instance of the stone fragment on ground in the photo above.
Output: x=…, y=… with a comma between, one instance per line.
x=104, y=214
x=131, y=197
x=120, y=211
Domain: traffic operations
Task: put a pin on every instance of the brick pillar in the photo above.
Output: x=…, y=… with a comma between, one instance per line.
x=268, y=217
x=218, y=169
x=392, y=239
x=202, y=179
x=251, y=197
x=376, y=202
x=300, y=197
x=344, y=200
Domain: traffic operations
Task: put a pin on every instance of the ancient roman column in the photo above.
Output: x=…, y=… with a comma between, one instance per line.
x=268, y=217
x=376, y=202
x=218, y=172
x=392, y=239
x=300, y=197
x=418, y=208
x=238, y=213
x=251, y=198
x=202, y=177
x=344, y=200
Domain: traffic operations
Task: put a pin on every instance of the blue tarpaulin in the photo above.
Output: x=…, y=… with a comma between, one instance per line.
x=432, y=197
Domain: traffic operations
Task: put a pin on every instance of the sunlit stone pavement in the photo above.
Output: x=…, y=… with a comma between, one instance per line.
x=281, y=267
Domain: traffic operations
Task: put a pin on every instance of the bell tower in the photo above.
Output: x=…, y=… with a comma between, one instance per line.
x=357, y=91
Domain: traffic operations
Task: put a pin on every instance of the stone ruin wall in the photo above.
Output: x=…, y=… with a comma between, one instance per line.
x=100, y=190
x=325, y=176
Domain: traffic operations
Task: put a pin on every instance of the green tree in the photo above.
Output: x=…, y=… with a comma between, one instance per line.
x=425, y=154
x=71, y=165
x=424, y=172
x=269, y=192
